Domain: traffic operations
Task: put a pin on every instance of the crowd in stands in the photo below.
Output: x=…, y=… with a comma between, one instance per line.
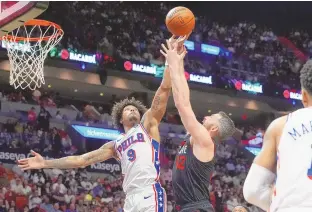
x=136, y=30
x=35, y=135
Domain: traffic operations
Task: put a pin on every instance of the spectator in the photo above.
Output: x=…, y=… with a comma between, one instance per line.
x=230, y=167
x=219, y=198
x=227, y=178
x=27, y=188
x=17, y=186
x=57, y=196
x=56, y=207
x=44, y=119
x=56, y=173
x=86, y=184
x=2, y=171
x=56, y=141
x=12, y=209
x=10, y=126
x=69, y=197
x=34, y=200
x=2, y=206
x=71, y=208
x=70, y=181
x=46, y=205
x=32, y=116
x=59, y=186
x=231, y=203
x=166, y=174
x=80, y=206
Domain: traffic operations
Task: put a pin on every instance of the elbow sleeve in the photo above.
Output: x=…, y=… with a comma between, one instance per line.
x=258, y=186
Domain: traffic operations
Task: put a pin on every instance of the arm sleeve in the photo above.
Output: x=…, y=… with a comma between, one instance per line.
x=258, y=186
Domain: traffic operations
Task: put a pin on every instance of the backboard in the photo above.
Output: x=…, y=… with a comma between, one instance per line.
x=14, y=13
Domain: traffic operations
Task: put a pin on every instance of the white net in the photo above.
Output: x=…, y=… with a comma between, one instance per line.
x=27, y=56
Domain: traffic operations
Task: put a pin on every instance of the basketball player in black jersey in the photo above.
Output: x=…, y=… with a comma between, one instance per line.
x=194, y=162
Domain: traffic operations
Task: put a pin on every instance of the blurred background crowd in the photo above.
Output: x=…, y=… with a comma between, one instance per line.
x=135, y=31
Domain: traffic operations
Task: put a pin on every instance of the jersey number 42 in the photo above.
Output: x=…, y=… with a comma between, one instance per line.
x=181, y=162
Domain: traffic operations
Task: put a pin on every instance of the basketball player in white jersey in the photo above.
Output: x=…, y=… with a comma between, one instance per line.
x=137, y=150
x=289, y=139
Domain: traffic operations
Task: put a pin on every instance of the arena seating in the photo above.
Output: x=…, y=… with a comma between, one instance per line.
x=135, y=31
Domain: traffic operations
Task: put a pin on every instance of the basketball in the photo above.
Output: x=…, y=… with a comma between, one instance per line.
x=180, y=21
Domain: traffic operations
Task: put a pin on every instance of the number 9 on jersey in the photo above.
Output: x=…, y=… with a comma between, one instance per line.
x=131, y=155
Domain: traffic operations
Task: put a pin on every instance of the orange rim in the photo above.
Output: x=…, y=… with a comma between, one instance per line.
x=34, y=22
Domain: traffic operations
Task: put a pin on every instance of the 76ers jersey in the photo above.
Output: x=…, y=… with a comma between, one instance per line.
x=139, y=157
x=293, y=186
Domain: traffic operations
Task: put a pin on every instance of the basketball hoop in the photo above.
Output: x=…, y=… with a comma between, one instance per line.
x=28, y=47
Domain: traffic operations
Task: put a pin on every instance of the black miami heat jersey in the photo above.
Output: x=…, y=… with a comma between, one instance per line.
x=190, y=177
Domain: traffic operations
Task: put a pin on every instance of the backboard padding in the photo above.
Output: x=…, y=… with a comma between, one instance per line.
x=20, y=12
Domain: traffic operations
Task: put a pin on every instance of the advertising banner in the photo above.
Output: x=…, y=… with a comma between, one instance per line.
x=158, y=72
x=110, y=166
x=98, y=133
x=250, y=87
x=292, y=94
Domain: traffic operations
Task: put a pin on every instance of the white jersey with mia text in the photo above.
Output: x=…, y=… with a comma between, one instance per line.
x=293, y=186
x=139, y=157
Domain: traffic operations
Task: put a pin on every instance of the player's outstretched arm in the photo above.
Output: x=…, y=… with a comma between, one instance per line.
x=105, y=152
x=181, y=96
x=259, y=182
x=159, y=103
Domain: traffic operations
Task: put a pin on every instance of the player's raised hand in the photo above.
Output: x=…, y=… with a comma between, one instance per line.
x=179, y=42
x=36, y=162
x=171, y=52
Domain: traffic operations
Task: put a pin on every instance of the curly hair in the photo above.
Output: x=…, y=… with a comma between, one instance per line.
x=306, y=77
x=119, y=107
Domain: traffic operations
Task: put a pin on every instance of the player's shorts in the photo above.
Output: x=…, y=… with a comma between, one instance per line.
x=200, y=206
x=151, y=199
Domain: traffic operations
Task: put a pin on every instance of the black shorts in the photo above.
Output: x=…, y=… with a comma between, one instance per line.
x=200, y=206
